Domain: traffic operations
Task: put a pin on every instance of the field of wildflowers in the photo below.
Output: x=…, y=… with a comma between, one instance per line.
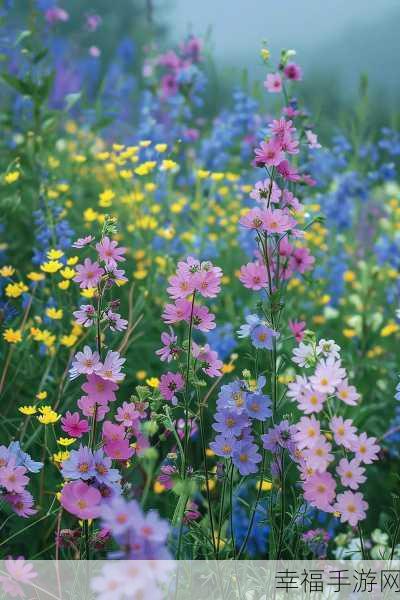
x=199, y=315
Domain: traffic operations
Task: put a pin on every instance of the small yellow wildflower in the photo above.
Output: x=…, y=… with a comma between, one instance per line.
x=88, y=292
x=158, y=487
x=15, y=290
x=160, y=147
x=52, y=266
x=12, y=177
x=48, y=417
x=34, y=276
x=140, y=274
x=153, y=382
x=12, y=336
x=105, y=198
x=60, y=456
x=64, y=285
x=41, y=395
x=72, y=260
x=140, y=375
x=210, y=453
x=27, y=410
x=68, y=273
x=65, y=441
x=349, y=276
x=68, y=340
x=7, y=271
x=54, y=313
x=265, y=485
x=349, y=332
x=168, y=165
x=54, y=254
x=90, y=215
x=389, y=329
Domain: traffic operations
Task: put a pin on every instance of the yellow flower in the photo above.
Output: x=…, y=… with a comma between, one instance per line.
x=48, y=416
x=14, y=290
x=160, y=147
x=72, y=261
x=265, y=54
x=158, y=487
x=389, y=329
x=265, y=485
x=349, y=333
x=105, y=198
x=153, y=382
x=68, y=273
x=228, y=368
x=54, y=254
x=33, y=276
x=201, y=174
x=211, y=485
x=144, y=143
x=7, y=271
x=210, y=453
x=349, y=276
x=12, y=336
x=68, y=340
x=66, y=441
x=64, y=285
x=141, y=375
x=79, y=158
x=59, y=457
x=88, y=292
x=27, y=410
x=12, y=176
x=53, y=313
x=90, y=215
x=41, y=395
x=51, y=267
x=140, y=274
x=168, y=165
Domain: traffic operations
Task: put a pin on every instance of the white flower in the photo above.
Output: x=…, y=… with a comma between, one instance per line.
x=328, y=348
x=303, y=355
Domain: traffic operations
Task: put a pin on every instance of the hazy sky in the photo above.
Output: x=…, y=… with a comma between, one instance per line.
x=345, y=36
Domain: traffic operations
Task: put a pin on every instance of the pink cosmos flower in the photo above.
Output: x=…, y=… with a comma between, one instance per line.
x=127, y=414
x=298, y=388
x=109, y=252
x=119, y=449
x=170, y=383
x=100, y=390
x=86, y=362
x=319, y=491
x=203, y=319
x=81, y=242
x=273, y=83
x=169, y=350
x=22, y=503
x=301, y=260
x=89, y=274
x=312, y=139
x=287, y=171
x=365, y=448
x=269, y=154
x=72, y=424
x=263, y=191
x=350, y=473
x=277, y=221
x=113, y=432
x=289, y=199
x=81, y=500
x=311, y=401
x=169, y=85
x=207, y=283
x=328, y=374
x=13, y=478
x=115, y=321
x=343, y=432
x=211, y=365
x=253, y=276
x=289, y=144
x=180, y=311
x=254, y=219
x=347, y=393
x=318, y=455
x=282, y=128
x=308, y=432
x=181, y=285
x=89, y=407
x=298, y=329
x=19, y=569
x=351, y=506
x=56, y=14
x=111, y=368
x=293, y=71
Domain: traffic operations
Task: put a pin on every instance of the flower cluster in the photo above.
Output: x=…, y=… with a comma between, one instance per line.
x=14, y=466
x=325, y=467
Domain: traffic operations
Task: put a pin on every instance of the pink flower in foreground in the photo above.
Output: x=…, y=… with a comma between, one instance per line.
x=180, y=311
x=110, y=252
x=328, y=374
x=207, y=283
x=19, y=569
x=111, y=368
x=85, y=316
x=72, y=424
x=254, y=219
x=119, y=449
x=253, y=276
x=89, y=274
x=100, y=390
x=170, y=383
x=351, y=506
x=269, y=154
x=169, y=350
x=343, y=431
x=21, y=503
x=311, y=401
x=86, y=363
x=273, y=83
x=308, y=432
x=347, y=393
x=277, y=221
x=181, y=285
x=81, y=500
x=365, y=448
x=319, y=491
x=350, y=473
x=203, y=319
x=211, y=364
x=89, y=407
x=318, y=456
x=287, y=171
x=13, y=478
x=293, y=71
x=301, y=260
x=81, y=242
x=127, y=414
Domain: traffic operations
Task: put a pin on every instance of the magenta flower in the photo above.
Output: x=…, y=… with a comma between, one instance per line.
x=277, y=221
x=207, y=283
x=254, y=219
x=13, y=478
x=203, y=319
x=115, y=322
x=86, y=363
x=85, y=316
x=89, y=274
x=253, y=276
x=110, y=253
x=319, y=491
x=170, y=383
x=81, y=500
x=287, y=171
x=269, y=154
x=180, y=311
x=93, y=22
x=273, y=83
x=297, y=328
x=169, y=350
x=301, y=260
x=351, y=506
x=211, y=365
x=21, y=503
x=72, y=424
x=127, y=414
x=181, y=285
x=89, y=408
x=293, y=71
x=56, y=15
x=119, y=449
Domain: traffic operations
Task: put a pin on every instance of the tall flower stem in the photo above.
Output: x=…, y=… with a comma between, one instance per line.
x=187, y=399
